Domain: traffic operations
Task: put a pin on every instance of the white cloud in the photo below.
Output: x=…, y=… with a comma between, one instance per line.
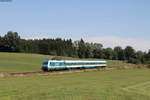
x=112, y=41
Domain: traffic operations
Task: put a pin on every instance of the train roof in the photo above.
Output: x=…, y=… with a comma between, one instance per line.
x=71, y=61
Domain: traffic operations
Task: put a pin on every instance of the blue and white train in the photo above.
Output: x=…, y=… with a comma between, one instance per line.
x=49, y=65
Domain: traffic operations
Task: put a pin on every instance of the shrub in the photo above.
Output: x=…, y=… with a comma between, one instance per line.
x=134, y=61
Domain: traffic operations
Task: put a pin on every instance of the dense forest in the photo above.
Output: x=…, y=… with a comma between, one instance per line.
x=11, y=42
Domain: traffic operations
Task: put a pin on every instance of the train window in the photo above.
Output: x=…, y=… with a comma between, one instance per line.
x=45, y=62
x=57, y=63
x=61, y=64
x=52, y=64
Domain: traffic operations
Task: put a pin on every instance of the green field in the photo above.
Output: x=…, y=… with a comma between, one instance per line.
x=118, y=84
x=123, y=84
x=21, y=62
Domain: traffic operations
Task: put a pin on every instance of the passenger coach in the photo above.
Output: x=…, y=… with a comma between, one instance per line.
x=71, y=64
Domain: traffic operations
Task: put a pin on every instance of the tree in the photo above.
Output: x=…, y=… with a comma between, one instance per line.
x=108, y=53
x=89, y=50
x=119, y=53
x=43, y=47
x=70, y=49
x=11, y=42
x=147, y=57
x=139, y=55
x=81, y=49
x=129, y=52
x=97, y=50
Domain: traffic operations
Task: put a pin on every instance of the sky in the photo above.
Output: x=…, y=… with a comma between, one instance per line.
x=110, y=22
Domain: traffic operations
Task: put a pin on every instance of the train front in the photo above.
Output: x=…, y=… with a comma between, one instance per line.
x=45, y=65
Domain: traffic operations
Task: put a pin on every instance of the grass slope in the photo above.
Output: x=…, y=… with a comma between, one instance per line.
x=21, y=62
x=123, y=84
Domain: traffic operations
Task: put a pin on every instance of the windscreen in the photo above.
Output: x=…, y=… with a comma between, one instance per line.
x=45, y=63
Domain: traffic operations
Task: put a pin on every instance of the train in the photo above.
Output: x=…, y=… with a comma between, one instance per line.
x=50, y=65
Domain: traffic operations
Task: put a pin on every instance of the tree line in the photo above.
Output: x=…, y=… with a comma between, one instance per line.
x=12, y=42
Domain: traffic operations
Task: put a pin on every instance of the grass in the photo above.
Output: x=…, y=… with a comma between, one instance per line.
x=122, y=84
x=118, y=84
x=21, y=62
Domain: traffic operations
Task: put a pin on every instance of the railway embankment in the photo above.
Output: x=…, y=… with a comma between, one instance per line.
x=70, y=71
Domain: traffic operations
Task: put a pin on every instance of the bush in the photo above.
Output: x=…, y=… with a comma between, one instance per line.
x=134, y=61
x=147, y=62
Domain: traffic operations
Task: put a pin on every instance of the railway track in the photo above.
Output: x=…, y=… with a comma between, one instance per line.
x=64, y=71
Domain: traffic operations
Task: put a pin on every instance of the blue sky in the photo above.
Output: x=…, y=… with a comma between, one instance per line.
x=111, y=22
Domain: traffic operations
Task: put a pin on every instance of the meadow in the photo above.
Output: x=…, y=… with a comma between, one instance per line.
x=118, y=84
x=22, y=62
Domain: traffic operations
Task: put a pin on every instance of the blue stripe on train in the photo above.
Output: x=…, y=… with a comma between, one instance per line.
x=62, y=67
x=72, y=67
x=90, y=66
x=57, y=67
